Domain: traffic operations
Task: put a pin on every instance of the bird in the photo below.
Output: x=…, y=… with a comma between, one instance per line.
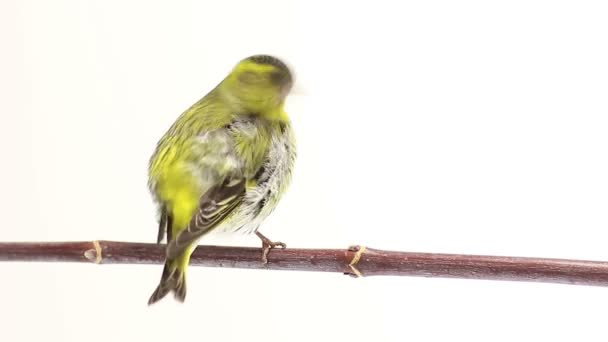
x=223, y=165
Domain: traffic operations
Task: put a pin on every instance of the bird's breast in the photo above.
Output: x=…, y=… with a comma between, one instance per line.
x=271, y=181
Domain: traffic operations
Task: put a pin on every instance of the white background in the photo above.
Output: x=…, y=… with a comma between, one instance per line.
x=436, y=126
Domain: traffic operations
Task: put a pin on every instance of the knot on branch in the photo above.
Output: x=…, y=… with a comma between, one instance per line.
x=359, y=250
x=94, y=254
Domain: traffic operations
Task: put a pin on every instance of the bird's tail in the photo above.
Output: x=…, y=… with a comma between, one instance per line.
x=172, y=279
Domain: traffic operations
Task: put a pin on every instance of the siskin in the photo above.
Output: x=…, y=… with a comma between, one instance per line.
x=223, y=165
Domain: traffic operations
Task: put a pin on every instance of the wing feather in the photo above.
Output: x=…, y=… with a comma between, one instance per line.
x=215, y=205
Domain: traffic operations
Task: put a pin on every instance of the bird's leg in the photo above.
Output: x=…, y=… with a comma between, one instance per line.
x=267, y=245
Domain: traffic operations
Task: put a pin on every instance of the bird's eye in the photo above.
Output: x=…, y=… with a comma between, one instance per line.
x=277, y=77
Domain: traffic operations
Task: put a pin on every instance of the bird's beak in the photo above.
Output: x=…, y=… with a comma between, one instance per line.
x=297, y=88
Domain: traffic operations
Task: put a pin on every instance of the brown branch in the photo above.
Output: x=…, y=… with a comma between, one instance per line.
x=356, y=261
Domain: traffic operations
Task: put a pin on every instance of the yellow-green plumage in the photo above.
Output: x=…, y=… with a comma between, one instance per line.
x=224, y=163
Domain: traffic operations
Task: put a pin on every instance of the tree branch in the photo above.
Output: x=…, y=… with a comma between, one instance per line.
x=356, y=261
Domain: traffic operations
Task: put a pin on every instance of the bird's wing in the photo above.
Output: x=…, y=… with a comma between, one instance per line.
x=215, y=205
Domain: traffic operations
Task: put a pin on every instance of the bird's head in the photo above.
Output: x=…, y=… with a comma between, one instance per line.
x=259, y=83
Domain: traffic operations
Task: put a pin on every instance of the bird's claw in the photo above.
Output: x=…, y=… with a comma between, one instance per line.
x=267, y=245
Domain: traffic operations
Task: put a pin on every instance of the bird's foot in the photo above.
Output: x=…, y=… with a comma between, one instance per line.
x=267, y=245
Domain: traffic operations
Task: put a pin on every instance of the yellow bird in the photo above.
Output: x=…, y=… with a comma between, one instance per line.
x=223, y=165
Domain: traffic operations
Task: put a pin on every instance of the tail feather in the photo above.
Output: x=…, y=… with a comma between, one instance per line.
x=172, y=279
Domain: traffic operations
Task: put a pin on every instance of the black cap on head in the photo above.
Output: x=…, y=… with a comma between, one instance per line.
x=283, y=75
x=266, y=59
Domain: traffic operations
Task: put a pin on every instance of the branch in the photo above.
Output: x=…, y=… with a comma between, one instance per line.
x=356, y=261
